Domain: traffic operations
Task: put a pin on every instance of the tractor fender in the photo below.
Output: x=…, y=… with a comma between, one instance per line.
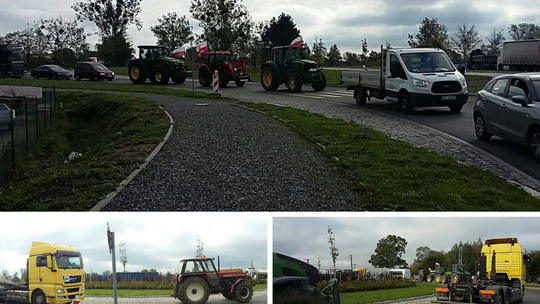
x=207, y=68
x=288, y=279
x=270, y=64
x=236, y=283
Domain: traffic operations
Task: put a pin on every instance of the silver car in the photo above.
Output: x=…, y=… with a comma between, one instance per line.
x=509, y=106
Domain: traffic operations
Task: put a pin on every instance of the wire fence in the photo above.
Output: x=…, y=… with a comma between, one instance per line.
x=23, y=122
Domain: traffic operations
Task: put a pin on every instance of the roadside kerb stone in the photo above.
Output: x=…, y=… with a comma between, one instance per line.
x=401, y=129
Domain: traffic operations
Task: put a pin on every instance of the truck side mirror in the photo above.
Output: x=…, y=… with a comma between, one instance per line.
x=50, y=263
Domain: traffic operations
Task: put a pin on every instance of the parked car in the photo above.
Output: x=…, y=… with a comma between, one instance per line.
x=50, y=71
x=93, y=71
x=509, y=106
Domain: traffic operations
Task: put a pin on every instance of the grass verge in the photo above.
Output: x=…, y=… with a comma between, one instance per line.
x=421, y=289
x=119, y=70
x=105, y=86
x=393, y=175
x=114, y=133
x=145, y=292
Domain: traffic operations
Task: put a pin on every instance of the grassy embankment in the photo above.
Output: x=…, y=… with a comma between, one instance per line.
x=421, y=289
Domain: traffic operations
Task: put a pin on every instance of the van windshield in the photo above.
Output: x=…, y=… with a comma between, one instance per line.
x=429, y=62
x=99, y=67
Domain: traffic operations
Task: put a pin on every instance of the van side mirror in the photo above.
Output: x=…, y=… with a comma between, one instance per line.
x=519, y=99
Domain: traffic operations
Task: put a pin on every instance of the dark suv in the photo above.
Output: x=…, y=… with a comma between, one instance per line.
x=93, y=71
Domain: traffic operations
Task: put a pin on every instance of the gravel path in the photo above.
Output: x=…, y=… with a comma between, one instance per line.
x=224, y=158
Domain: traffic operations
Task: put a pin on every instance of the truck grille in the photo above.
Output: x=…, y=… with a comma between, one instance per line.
x=72, y=278
x=446, y=87
x=71, y=290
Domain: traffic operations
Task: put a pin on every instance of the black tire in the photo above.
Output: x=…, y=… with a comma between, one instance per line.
x=240, y=83
x=429, y=279
x=443, y=279
x=205, y=78
x=455, y=108
x=179, y=80
x=456, y=278
x=534, y=143
x=361, y=97
x=227, y=295
x=136, y=73
x=96, y=78
x=405, y=104
x=161, y=76
x=437, y=278
x=269, y=79
x=298, y=294
x=193, y=290
x=294, y=82
x=38, y=297
x=320, y=85
x=223, y=80
x=480, y=128
x=507, y=297
x=243, y=292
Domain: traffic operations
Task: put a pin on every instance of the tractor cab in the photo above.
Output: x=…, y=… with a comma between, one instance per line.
x=200, y=267
x=148, y=52
x=156, y=63
x=214, y=60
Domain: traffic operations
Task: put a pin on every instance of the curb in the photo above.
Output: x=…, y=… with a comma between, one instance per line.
x=109, y=197
x=403, y=300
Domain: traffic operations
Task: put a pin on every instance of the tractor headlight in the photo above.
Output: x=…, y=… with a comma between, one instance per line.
x=420, y=83
x=312, y=70
x=60, y=291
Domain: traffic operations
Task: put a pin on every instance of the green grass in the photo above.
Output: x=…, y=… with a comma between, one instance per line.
x=421, y=289
x=393, y=175
x=105, y=86
x=534, y=285
x=119, y=70
x=477, y=77
x=145, y=292
x=114, y=133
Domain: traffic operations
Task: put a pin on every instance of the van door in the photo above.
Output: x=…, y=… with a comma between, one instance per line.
x=395, y=76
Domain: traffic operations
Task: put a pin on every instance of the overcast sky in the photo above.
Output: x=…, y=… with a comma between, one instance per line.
x=344, y=22
x=307, y=238
x=153, y=240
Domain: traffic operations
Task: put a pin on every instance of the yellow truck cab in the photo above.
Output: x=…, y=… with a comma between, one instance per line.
x=55, y=275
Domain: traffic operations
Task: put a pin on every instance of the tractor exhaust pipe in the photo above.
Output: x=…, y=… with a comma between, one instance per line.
x=218, y=268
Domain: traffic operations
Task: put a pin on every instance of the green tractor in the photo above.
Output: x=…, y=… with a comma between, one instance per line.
x=436, y=276
x=290, y=66
x=156, y=64
x=459, y=275
x=295, y=281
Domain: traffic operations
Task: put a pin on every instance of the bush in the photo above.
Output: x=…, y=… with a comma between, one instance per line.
x=355, y=286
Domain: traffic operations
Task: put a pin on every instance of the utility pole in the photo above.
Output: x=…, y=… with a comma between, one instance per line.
x=307, y=260
x=110, y=238
x=351, y=262
x=354, y=266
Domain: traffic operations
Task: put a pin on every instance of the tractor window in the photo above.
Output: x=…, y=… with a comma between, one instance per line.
x=193, y=267
x=208, y=266
x=278, y=55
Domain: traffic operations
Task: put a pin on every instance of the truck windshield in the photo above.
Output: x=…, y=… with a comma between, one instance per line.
x=429, y=62
x=16, y=57
x=68, y=262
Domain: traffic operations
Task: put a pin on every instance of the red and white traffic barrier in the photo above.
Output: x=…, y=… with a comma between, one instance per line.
x=215, y=83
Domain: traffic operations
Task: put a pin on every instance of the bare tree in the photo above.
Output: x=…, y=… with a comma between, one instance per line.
x=466, y=39
x=4, y=273
x=123, y=254
x=333, y=249
x=495, y=38
x=199, y=253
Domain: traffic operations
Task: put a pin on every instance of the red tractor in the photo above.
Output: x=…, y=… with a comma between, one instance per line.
x=228, y=69
x=198, y=278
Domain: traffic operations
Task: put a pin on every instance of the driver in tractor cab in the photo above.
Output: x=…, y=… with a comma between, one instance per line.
x=195, y=268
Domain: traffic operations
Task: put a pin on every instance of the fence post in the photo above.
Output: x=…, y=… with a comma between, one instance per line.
x=44, y=112
x=12, y=127
x=37, y=118
x=26, y=123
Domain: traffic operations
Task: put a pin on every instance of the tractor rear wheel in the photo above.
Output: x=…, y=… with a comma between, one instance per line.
x=429, y=279
x=243, y=292
x=268, y=79
x=227, y=295
x=294, y=82
x=205, y=78
x=456, y=278
x=443, y=279
x=437, y=278
x=193, y=290
x=321, y=84
x=298, y=294
x=179, y=80
x=136, y=73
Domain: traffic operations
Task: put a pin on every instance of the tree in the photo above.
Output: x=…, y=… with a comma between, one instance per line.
x=319, y=50
x=115, y=51
x=334, y=55
x=422, y=252
x=15, y=278
x=24, y=273
x=495, y=39
x=63, y=34
x=223, y=21
x=106, y=275
x=280, y=31
x=466, y=39
x=123, y=254
x=144, y=271
x=334, y=252
x=524, y=31
x=534, y=270
x=173, y=31
x=4, y=273
x=388, y=252
x=430, y=34
x=199, y=253
x=112, y=17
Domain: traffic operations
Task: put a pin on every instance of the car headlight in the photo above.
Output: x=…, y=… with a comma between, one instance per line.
x=60, y=291
x=420, y=83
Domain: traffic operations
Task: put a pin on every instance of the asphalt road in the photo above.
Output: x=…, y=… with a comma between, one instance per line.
x=532, y=296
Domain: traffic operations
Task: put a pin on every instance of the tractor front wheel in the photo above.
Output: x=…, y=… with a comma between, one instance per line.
x=298, y=294
x=136, y=73
x=443, y=279
x=205, y=78
x=294, y=82
x=268, y=79
x=161, y=76
x=243, y=292
x=193, y=290
x=437, y=278
x=320, y=85
x=456, y=278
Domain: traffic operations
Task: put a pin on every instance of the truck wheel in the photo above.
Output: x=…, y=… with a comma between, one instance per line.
x=480, y=128
x=38, y=297
x=456, y=278
x=178, y=80
x=294, y=82
x=455, y=108
x=193, y=290
x=136, y=74
x=243, y=292
x=320, y=85
x=534, y=143
x=406, y=107
x=361, y=97
x=268, y=79
x=297, y=294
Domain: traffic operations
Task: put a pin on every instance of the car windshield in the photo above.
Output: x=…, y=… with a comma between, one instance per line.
x=69, y=262
x=99, y=67
x=429, y=62
x=536, y=85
